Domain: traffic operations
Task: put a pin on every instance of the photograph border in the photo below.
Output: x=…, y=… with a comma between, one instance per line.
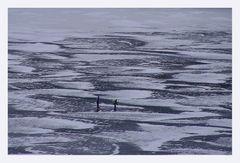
x=234, y=4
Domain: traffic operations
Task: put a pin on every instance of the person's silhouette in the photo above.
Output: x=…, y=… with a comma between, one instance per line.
x=115, y=105
x=98, y=101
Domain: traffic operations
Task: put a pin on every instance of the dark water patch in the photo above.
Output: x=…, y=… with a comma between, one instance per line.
x=199, y=118
x=105, y=43
x=178, y=123
x=155, y=33
x=199, y=94
x=17, y=52
x=35, y=85
x=227, y=106
x=24, y=135
x=122, y=62
x=21, y=75
x=166, y=94
x=13, y=112
x=225, y=132
x=18, y=150
x=154, y=109
x=163, y=76
x=177, y=87
x=228, y=71
x=216, y=50
x=22, y=42
x=227, y=85
x=223, y=113
x=38, y=59
x=160, y=51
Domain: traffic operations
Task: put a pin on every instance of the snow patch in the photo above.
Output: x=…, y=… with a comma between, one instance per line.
x=201, y=78
x=36, y=47
x=34, y=125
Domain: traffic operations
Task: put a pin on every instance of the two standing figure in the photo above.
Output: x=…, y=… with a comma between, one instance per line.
x=98, y=106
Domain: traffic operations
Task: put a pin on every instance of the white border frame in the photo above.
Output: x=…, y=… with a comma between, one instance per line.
x=4, y=5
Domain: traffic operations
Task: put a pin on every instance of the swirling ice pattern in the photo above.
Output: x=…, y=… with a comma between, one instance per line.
x=174, y=93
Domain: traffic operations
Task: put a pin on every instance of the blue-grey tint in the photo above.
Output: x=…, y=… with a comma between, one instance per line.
x=120, y=81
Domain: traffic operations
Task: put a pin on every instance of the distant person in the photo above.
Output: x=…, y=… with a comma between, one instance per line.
x=115, y=105
x=98, y=101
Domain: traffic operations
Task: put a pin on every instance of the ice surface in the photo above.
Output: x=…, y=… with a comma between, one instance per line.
x=135, y=82
x=58, y=92
x=169, y=69
x=127, y=94
x=201, y=78
x=53, y=56
x=31, y=140
x=33, y=125
x=21, y=69
x=38, y=47
x=76, y=85
x=220, y=122
x=137, y=116
x=63, y=73
x=22, y=102
x=96, y=57
x=211, y=55
x=153, y=136
x=210, y=101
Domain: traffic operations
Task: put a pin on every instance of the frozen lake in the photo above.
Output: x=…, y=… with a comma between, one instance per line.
x=170, y=69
